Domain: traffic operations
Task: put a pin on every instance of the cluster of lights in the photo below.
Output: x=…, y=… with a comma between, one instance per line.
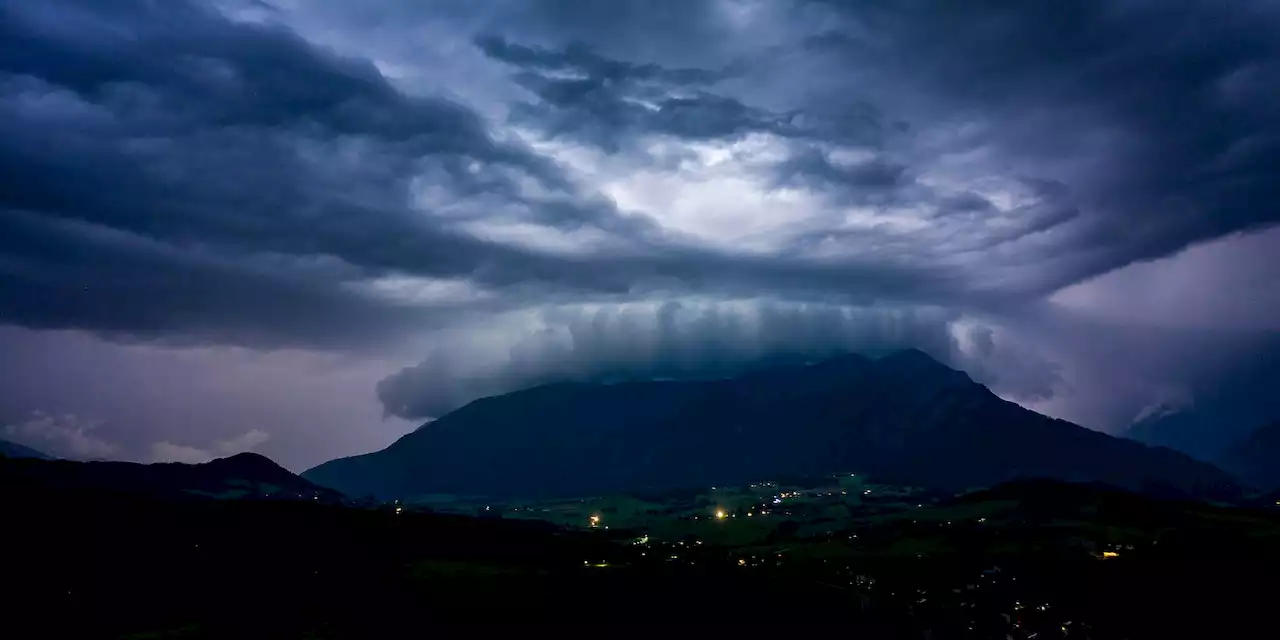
x=595, y=520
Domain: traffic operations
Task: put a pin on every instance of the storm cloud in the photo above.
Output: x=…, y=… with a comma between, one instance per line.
x=672, y=339
x=470, y=198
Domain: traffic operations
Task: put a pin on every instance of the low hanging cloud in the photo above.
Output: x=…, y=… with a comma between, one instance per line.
x=74, y=438
x=686, y=339
x=62, y=436
x=165, y=451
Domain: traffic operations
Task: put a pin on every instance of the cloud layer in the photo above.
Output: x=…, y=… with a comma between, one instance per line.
x=672, y=339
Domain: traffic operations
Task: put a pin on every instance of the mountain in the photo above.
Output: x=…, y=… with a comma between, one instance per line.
x=15, y=450
x=1206, y=432
x=1223, y=414
x=244, y=475
x=1256, y=459
x=903, y=418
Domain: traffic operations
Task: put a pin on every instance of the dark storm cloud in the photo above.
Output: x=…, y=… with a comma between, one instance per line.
x=66, y=274
x=610, y=102
x=614, y=105
x=874, y=181
x=580, y=59
x=171, y=172
x=203, y=174
x=224, y=180
x=1133, y=129
x=1157, y=116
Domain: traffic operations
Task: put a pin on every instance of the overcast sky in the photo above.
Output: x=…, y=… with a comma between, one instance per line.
x=304, y=227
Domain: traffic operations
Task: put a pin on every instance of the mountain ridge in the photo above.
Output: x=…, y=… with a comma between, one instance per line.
x=1256, y=458
x=243, y=475
x=903, y=417
x=1221, y=417
x=15, y=450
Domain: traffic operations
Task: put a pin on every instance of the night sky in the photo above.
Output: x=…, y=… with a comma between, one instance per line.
x=304, y=227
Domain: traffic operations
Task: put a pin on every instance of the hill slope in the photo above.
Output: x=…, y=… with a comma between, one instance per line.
x=15, y=450
x=905, y=418
x=244, y=475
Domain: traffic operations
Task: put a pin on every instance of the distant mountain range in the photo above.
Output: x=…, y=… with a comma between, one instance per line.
x=1256, y=459
x=904, y=418
x=15, y=450
x=1205, y=433
x=1222, y=417
x=1222, y=427
x=242, y=476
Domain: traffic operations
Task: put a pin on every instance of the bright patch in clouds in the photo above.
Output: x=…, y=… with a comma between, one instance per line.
x=714, y=193
x=411, y=290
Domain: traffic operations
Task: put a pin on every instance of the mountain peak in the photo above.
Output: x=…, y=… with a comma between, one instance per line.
x=912, y=356
x=248, y=464
x=247, y=458
x=918, y=364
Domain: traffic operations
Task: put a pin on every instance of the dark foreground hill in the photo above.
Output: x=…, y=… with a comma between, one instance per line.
x=1023, y=561
x=242, y=476
x=904, y=418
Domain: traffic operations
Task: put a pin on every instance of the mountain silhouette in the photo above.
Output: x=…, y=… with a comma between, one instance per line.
x=1256, y=459
x=1222, y=416
x=903, y=418
x=15, y=450
x=244, y=475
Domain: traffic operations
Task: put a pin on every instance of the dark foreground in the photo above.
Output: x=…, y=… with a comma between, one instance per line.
x=86, y=564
